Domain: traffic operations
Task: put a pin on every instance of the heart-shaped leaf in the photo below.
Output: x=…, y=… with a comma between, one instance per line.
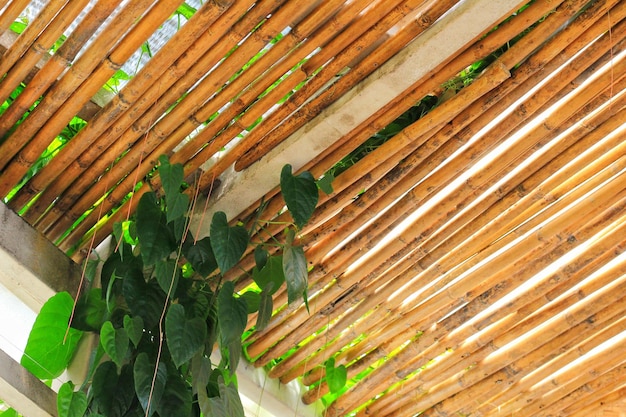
x=266, y=308
x=71, y=403
x=201, y=256
x=167, y=274
x=154, y=237
x=300, y=194
x=50, y=345
x=295, y=269
x=233, y=317
x=115, y=342
x=228, y=243
x=184, y=337
x=134, y=328
x=272, y=273
x=336, y=377
x=149, y=394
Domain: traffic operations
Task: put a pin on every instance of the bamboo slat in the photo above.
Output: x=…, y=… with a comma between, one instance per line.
x=11, y=13
x=593, y=404
x=376, y=226
x=163, y=59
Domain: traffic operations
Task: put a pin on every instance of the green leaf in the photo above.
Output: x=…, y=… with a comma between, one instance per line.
x=10, y=412
x=336, y=377
x=144, y=299
x=115, y=342
x=154, y=237
x=48, y=351
x=176, y=398
x=252, y=300
x=300, y=194
x=260, y=257
x=266, y=308
x=228, y=404
x=200, y=371
x=104, y=386
x=325, y=183
x=295, y=269
x=70, y=403
x=167, y=274
x=134, y=328
x=272, y=273
x=200, y=256
x=149, y=396
x=91, y=311
x=177, y=206
x=228, y=243
x=184, y=337
x=233, y=318
x=172, y=176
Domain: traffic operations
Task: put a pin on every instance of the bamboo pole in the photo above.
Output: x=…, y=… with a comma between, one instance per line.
x=165, y=134
x=592, y=405
x=63, y=106
x=465, y=290
x=40, y=48
x=60, y=61
x=11, y=13
x=505, y=325
x=377, y=226
x=190, y=68
x=607, y=296
x=154, y=70
x=29, y=36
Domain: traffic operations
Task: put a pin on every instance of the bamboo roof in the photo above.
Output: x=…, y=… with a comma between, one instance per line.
x=470, y=265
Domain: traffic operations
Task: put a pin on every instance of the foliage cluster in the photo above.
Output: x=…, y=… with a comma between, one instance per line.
x=163, y=306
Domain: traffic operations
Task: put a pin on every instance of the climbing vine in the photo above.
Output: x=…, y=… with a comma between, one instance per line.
x=163, y=307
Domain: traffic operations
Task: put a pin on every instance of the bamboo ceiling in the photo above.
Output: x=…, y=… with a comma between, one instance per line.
x=471, y=265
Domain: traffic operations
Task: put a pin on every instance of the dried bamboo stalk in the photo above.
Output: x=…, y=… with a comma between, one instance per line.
x=609, y=295
x=58, y=63
x=460, y=291
x=127, y=130
x=165, y=135
x=335, y=258
x=68, y=102
x=40, y=48
x=478, y=347
x=592, y=405
x=29, y=36
x=11, y=13
x=154, y=69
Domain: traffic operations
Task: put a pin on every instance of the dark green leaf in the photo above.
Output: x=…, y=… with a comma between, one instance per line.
x=154, y=237
x=115, y=342
x=177, y=206
x=149, y=395
x=252, y=301
x=295, y=268
x=266, y=307
x=143, y=299
x=233, y=318
x=200, y=256
x=184, y=337
x=91, y=311
x=48, y=351
x=167, y=274
x=227, y=404
x=70, y=403
x=300, y=194
x=272, y=273
x=176, y=398
x=228, y=243
x=200, y=371
x=336, y=377
x=104, y=386
x=325, y=183
x=134, y=328
x=260, y=257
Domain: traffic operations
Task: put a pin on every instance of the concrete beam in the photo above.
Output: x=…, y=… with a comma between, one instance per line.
x=32, y=267
x=23, y=391
x=451, y=33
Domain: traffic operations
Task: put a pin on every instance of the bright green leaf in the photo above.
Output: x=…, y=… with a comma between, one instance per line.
x=184, y=337
x=228, y=243
x=115, y=342
x=134, y=328
x=272, y=273
x=48, y=351
x=149, y=394
x=336, y=377
x=71, y=403
x=300, y=194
